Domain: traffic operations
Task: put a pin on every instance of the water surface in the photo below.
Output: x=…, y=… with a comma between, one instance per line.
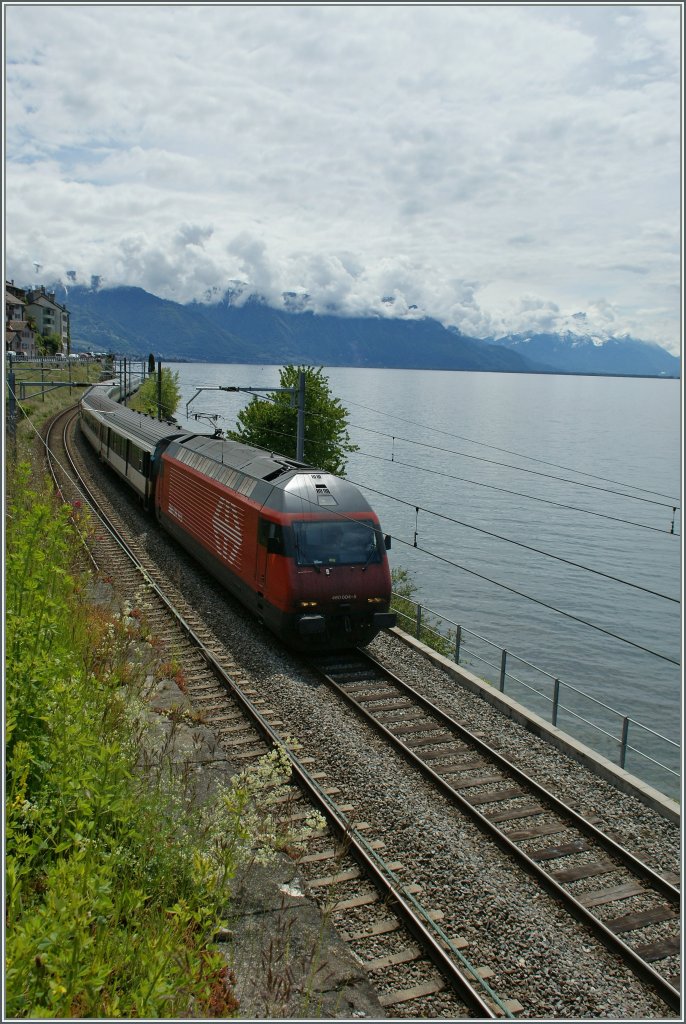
x=432, y=440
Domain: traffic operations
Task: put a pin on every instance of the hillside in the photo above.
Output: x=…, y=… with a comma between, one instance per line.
x=282, y=336
x=131, y=321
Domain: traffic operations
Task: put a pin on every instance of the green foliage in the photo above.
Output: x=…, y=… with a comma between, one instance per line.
x=145, y=399
x=404, y=591
x=39, y=406
x=48, y=344
x=273, y=425
x=115, y=880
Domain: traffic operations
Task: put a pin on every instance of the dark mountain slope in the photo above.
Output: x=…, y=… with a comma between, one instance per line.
x=281, y=336
x=130, y=321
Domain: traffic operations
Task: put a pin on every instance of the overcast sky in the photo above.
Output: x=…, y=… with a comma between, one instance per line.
x=499, y=167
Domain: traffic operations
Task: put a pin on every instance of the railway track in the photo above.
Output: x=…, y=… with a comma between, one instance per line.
x=399, y=943
x=587, y=871
x=383, y=919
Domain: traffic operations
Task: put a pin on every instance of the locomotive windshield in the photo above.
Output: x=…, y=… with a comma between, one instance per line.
x=337, y=542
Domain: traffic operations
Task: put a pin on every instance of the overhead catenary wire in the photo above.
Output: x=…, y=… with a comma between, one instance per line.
x=523, y=469
x=579, y=483
x=543, y=604
x=505, y=586
x=520, y=455
x=494, y=487
x=519, y=469
x=510, y=540
x=520, y=494
x=550, y=476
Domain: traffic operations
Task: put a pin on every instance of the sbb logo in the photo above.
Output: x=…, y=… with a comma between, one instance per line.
x=227, y=523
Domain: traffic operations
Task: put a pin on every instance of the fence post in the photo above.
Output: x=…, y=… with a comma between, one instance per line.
x=625, y=737
x=458, y=640
x=419, y=620
x=503, y=662
x=556, y=700
x=11, y=406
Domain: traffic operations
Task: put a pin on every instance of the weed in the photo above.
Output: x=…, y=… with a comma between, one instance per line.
x=107, y=910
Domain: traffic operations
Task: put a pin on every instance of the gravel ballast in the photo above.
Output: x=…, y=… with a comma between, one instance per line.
x=541, y=957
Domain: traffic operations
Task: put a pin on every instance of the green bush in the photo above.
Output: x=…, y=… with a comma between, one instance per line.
x=116, y=880
x=111, y=897
x=145, y=398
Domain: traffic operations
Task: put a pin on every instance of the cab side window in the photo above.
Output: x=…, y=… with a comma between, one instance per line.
x=270, y=535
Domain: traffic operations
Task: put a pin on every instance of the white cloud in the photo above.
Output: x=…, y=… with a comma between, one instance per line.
x=440, y=154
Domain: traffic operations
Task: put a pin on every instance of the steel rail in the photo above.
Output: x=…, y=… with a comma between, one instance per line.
x=45, y=435
x=583, y=824
x=664, y=988
x=394, y=893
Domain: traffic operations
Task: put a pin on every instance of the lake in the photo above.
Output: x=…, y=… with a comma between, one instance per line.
x=583, y=468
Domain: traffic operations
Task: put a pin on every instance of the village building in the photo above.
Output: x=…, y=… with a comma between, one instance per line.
x=50, y=316
x=20, y=337
x=30, y=313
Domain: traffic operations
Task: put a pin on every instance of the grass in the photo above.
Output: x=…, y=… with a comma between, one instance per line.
x=114, y=888
x=41, y=403
x=116, y=879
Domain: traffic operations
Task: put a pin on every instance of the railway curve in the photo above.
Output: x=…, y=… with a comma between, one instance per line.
x=432, y=962
x=282, y=668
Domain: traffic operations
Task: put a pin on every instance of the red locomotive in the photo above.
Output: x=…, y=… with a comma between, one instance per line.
x=299, y=547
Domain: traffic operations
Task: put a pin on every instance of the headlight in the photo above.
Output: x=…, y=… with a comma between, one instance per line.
x=307, y=604
x=376, y=600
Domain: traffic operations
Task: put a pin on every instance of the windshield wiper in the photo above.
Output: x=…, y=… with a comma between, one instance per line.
x=369, y=558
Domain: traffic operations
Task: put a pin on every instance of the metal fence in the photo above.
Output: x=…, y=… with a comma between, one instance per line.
x=646, y=753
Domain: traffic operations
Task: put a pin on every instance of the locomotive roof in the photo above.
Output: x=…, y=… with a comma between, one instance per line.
x=313, y=491
x=273, y=481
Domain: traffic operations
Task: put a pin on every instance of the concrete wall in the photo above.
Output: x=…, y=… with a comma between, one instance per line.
x=595, y=762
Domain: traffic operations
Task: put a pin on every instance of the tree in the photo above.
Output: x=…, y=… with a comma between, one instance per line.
x=48, y=344
x=145, y=399
x=273, y=424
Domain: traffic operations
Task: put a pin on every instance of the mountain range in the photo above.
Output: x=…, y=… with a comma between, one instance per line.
x=232, y=329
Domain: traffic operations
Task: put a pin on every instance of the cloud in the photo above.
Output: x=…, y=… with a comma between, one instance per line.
x=452, y=159
x=193, y=234
x=255, y=265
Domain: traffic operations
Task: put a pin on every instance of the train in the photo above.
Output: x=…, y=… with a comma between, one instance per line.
x=299, y=547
